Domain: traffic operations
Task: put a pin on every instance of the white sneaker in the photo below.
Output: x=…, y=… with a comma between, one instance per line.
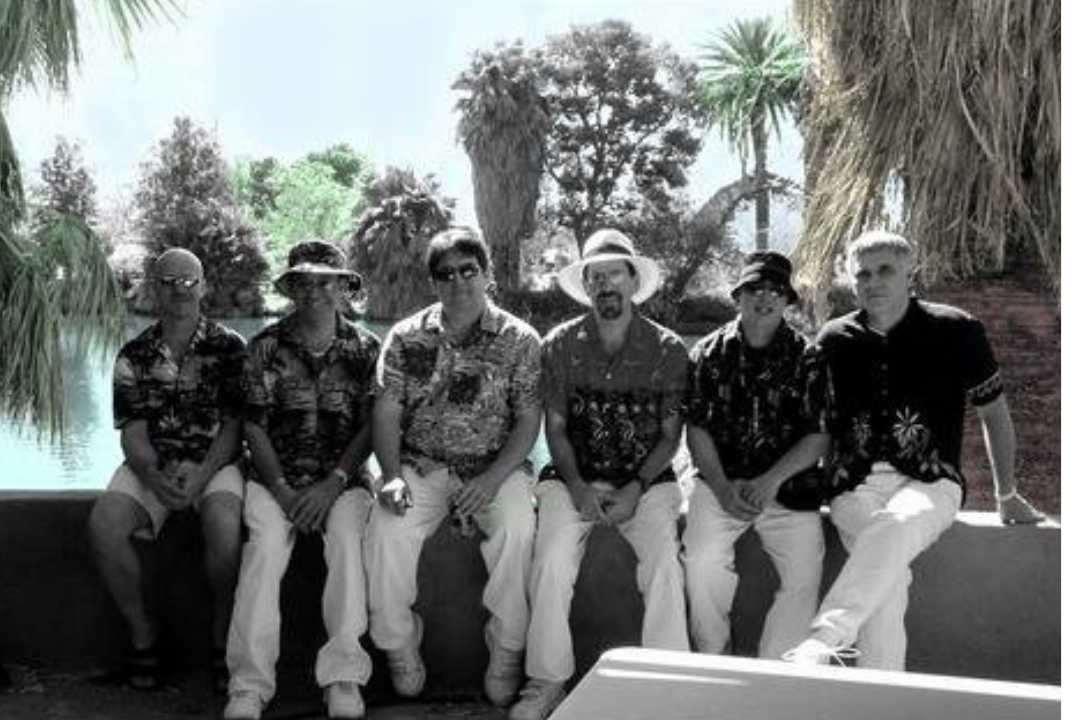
x=539, y=699
x=243, y=705
x=407, y=672
x=503, y=677
x=813, y=651
x=343, y=700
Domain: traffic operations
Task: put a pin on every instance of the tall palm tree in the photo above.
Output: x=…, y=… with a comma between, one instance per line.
x=56, y=271
x=750, y=79
x=504, y=124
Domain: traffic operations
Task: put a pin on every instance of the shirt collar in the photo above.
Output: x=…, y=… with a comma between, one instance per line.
x=157, y=338
x=432, y=322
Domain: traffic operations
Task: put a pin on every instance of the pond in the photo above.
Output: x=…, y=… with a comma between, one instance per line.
x=90, y=449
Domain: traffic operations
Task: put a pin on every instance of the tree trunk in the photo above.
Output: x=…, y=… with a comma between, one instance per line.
x=761, y=202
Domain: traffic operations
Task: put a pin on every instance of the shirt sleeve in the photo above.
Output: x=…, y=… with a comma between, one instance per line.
x=525, y=383
x=256, y=391
x=673, y=379
x=982, y=377
x=817, y=392
x=231, y=379
x=698, y=407
x=553, y=375
x=129, y=397
x=389, y=370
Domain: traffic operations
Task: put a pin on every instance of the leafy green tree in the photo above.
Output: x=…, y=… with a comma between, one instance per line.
x=351, y=167
x=504, y=125
x=252, y=182
x=184, y=199
x=66, y=185
x=60, y=276
x=750, y=80
x=624, y=124
x=390, y=242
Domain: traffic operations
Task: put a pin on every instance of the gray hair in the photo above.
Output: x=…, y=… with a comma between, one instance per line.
x=874, y=240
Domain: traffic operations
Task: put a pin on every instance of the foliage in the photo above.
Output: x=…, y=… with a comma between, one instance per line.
x=67, y=187
x=958, y=109
x=504, y=124
x=390, y=242
x=750, y=80
x=313, y=197
x=60, y=274
x=624, y=124
x=184, y=200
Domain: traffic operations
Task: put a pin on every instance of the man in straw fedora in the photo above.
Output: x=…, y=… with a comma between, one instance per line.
x=309, y=392
x=613, y=385
x=756, y=427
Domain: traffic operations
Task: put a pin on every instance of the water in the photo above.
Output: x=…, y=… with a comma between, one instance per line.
x=90, y=450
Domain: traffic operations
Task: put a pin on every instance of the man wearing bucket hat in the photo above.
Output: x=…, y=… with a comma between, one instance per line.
x=903, y=372
x=756, y=429
x=177, y=404
x=614, y=385
x=309, y=391
x=457, y=413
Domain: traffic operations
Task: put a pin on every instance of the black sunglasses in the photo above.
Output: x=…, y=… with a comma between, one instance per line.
x=447, y=274
x=173, y=281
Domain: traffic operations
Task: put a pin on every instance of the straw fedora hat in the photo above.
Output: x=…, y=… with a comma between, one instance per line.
x=603, y=246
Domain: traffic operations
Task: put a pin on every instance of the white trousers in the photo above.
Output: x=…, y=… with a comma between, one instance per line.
x=560, y=545
x=884, y=523
x=793, y=541
x=255, y=631
x=392, y=554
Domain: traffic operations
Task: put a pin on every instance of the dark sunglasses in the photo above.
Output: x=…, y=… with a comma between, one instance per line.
x=310, y=283
x=447, y=274
x=174, y=281
x=770, y=291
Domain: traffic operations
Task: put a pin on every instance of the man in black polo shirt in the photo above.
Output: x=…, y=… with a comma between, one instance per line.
x=903, y=370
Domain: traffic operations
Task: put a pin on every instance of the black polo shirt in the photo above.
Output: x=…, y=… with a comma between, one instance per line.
x=900, y=396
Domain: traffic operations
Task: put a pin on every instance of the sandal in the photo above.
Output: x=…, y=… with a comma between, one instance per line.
x=219, y=672
x=144, y=668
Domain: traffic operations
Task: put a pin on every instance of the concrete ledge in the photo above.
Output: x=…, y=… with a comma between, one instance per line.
x=986, y=600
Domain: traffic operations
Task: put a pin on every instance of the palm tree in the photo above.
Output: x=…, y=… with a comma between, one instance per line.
x=750, y=79
x=504, y=124
x=57, y=271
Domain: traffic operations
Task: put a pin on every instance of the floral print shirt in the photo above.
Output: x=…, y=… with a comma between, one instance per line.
x=901, y=396
x=459, y=400
x=311, y=406
x=614, y=405
x=756, y=404
x=183, y=401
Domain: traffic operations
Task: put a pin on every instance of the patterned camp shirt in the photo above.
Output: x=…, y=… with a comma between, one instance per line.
x=459, y=400
x=185, y=402
x=757, y=403
x=614, y=405
x=901, y=395
x=311, y=406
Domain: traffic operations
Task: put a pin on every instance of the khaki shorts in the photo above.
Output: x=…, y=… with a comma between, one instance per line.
x=124, y=481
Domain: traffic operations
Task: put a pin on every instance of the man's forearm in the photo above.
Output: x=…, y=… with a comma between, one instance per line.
x=705, y=456
x=263, y=456
x=803, y=454
x=1000, y=438
x=226, y=446
x=518, y=444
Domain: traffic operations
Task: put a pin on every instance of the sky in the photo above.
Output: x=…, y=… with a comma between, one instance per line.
x=285, y=77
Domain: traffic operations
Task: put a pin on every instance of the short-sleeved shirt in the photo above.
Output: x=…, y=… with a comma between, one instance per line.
x=757, y=403
x=900, y=396
x=311, y=406
x=614, y=406
x=183, y=401
x=460, y=400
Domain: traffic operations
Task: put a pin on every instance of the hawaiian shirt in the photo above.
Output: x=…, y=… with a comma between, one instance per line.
x=459, y=400
x=901, y=395
x=183, y=400
x=756, y=404
x=614, y=405
x=311, y=406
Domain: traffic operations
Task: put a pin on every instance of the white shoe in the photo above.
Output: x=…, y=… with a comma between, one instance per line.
x=503, y=677
x=243, y=705
x=343, y=700
x=407, y=672
x=813, y=651
x=539, y=699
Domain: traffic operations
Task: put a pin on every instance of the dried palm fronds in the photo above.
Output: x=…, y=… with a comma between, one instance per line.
x=953, y=110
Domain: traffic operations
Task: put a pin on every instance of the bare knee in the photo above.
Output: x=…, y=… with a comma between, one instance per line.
x=113, y=520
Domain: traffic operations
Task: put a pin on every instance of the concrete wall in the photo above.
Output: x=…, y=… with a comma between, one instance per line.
x=986, y=600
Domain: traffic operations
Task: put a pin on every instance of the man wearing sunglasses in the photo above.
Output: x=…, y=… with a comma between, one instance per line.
x=614, y=385
x=457, y=413
x=756, y=428
x=309, y=392
x=177, y=404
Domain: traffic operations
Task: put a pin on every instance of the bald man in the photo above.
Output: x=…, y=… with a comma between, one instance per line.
x=176, y=401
